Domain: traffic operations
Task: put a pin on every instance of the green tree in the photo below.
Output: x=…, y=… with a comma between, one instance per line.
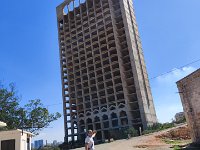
x=33, y=117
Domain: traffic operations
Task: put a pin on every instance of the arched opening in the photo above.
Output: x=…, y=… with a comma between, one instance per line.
x=114, y=119
x=112, y=107
x=113, y=115
x=97, y=123
x=121, y=105
x=81, y=122
x=96, y=111
x=105, y=117
x=81, y=115
x=90, y=127
x=82, y=126
x=96, y=119
x=123, y=114
x=124, y=120
x=89, y=124
x=89, y=120
x=88, y=113
x=103, y=109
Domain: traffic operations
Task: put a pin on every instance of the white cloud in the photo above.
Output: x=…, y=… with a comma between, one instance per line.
x=176, y=74
x=167, y=100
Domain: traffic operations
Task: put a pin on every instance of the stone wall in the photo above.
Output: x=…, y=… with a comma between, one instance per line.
x=189, y=89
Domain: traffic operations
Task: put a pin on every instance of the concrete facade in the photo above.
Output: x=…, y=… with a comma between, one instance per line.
x=21, y=142
x=104, y=78
x=189, y=89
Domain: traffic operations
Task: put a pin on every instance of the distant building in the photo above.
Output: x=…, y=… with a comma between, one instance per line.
x=189, y=89
x=38, y=144
x=15, y=140
x=104, y=77
x=179, y=116
x=55, y=143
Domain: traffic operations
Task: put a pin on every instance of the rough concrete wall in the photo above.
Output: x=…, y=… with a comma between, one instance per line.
x=189, y=89
x=104, y=80
x=143, y=90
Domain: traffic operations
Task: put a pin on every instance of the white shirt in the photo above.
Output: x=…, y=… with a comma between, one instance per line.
x=90, y=142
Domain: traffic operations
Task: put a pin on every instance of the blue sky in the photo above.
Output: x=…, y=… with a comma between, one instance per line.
x=29, y=54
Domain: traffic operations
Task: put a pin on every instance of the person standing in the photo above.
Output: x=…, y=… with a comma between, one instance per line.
x=89, y=141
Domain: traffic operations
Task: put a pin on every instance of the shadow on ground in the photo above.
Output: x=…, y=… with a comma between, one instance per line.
x=192, y=146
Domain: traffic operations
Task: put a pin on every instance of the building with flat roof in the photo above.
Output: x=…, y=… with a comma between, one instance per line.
x=15, y=140
x=2, y=124
x=105, y=84
x=189, y=90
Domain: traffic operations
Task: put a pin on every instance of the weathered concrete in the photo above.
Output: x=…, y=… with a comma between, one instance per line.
x=189, y=89
x=104, y=78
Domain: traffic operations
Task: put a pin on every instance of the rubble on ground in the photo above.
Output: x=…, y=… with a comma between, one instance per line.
x=179, y=133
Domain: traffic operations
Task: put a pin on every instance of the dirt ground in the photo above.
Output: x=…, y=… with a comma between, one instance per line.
x=154, y=141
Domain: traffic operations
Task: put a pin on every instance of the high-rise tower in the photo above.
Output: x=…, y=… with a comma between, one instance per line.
x=104, y=79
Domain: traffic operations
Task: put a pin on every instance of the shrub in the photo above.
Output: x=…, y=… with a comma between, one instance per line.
x=131, y=131
x=158, y=127
x=183, y=120
x=123, y=133
x=117, y=134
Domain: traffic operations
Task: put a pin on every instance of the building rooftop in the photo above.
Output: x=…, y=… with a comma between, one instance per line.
x=2, y=124
x=189, y=76
x=18, y=130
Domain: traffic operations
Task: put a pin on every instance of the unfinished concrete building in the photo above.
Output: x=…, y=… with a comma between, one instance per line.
x=104, y=77
x=189, y=89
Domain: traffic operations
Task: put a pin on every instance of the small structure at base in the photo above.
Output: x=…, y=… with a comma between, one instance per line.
x=2, y=124
x=189, y=89
x=15, y=140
